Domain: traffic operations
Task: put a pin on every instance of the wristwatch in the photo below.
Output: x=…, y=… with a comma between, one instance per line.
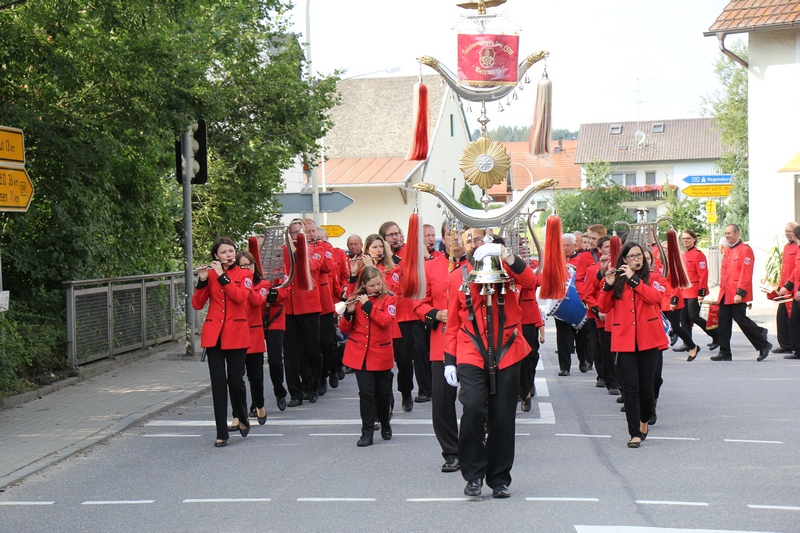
x=506, y=254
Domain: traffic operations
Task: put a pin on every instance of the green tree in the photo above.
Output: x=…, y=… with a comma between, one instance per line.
x=520, y=134
x=684, y=213
x=599, y=203
x=730, y=110
x=467, y=198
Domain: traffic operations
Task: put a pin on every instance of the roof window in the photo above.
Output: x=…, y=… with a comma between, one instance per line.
x=616, y=129
x=658, y=127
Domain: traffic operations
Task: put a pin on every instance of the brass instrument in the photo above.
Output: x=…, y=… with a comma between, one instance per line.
x=271, y=251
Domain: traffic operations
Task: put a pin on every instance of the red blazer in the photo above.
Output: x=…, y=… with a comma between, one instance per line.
x=370, y=329
x=256, y=305
x=788, y=260
x=736, y=274
x=585, y=260
x=672, y=296
x=276, y=311
x=458, y=344
x=636, y=323
x=324, y=279
x=697, y=269
x=531, y=314
x=226, y=321
x=303, y=302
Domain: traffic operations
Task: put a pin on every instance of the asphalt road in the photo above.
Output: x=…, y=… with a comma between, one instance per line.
x=722, y=457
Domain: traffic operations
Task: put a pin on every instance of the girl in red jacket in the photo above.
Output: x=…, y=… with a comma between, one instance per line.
x=637, y=333
x=225, y=335
x=368, y=319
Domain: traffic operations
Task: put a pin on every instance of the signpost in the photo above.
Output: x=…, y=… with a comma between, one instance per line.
x=329, y=202
x=12, y=146
x=712, y=179
x=707, y=191
x=333, y=230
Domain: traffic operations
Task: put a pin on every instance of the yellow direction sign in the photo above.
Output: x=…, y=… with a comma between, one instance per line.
x=12, y=145
x=16, y=189
x=707, y=191
x=333, y=230
x=711, y=218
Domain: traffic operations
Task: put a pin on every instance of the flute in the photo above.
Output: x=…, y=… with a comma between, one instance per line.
x=229, y=261
x=354, y=299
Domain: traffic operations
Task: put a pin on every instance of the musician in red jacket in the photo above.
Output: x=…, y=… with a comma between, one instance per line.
x=225, y=334
x=784, y=310
x=637, y=333
x=735, y=290
x=483, y=348
x=368, y=351
x=697, y=271
x=592, y=287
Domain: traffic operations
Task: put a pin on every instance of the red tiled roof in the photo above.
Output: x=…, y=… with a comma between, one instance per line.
x=741, y=16
x=555, y=165
x=356, y=171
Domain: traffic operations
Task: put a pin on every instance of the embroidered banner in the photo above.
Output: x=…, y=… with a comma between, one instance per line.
x=486, y=60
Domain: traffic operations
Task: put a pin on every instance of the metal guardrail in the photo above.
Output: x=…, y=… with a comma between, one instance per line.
x=110, y=316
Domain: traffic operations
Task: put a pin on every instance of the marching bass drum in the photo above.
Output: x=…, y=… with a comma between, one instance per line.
x=568, y=309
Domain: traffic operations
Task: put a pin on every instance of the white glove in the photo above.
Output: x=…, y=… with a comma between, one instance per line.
x=450, y=374
x=485, y=250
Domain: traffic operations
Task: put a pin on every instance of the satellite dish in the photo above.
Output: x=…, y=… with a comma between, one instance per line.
x=640, y=137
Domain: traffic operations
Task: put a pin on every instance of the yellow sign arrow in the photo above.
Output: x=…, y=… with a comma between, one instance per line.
x=333, y=230
x=16, y=189
x=707, y=191
x=12, y=145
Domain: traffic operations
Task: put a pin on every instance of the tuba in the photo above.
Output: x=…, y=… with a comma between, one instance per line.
x=276, y=239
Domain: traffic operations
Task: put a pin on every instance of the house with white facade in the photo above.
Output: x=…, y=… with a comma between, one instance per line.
x=648, y=155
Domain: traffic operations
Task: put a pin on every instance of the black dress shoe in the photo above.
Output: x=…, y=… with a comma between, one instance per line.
x=781, y=349
x=386, y=431
x=220, y=443
x=600, y=383
x=252, y=413
x=473, y=488
x=673, y=338
x=333, y=380
x=294, y=402
x=583, y=368
x=451, y=464
x=681, y=348
x=620, y=399
x=313, y=397
x=693, y=353
x=422, y=399
x=764, y=352
x=791, y=356
x=281, y=403
x=408, y=403
x=613, y=391
x=713, y=346
x=564, y=373
x=525, y=405
x=365, y=440
x=322, y=389
x=262, y=419
x=244, y=432
x=501, y=491
x=721, y=357
x=341, y=373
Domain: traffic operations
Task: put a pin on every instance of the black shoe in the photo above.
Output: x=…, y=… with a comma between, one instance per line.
x=220, y=443
x=252, y=413
x=693, y=353
x=781, y=349
x=721, y=357
x=713, y=346
x=613, y=391
x=306, y=395
x=244, y=432
x=408, y=403
x=294, y=402
x=281, y=403
x=333, y=380
x=451, y=464
x=313, y=397
x=526, y=404
x=681, y=348
x=322, y=389
x=262, y=419
x=791, y=356
x=501, y=491
x=600, y=383
x=764, y=352
x=673, y=338
x=583, y=368
x=765, y=336
x=564, y=373
x=473, y=488
x=233, y=426
x=341, y=373
x=620, y=399
x=654, y=417
x=386, y=431
x=365, y=440
x=422, y=399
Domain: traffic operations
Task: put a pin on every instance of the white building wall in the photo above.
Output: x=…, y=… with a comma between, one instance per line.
x=774, y=136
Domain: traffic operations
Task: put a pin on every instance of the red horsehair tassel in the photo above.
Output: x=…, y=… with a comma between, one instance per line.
x=302, y=271
x=554, y=272
x=252, y=247
x=419, y=144
x=413, y=267
x=677, y=272
x=541, y=131
x=616, y=246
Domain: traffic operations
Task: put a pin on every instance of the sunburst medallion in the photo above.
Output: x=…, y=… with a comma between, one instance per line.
x=485, y=163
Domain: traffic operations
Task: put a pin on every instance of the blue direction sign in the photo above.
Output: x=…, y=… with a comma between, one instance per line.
x=329, y=202
x=712, y=179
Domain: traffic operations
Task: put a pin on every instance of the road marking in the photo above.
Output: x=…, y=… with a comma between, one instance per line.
x=226, y=500
x=667, y=502
x=581, y=435
x=556, y=499
x=266, y=435
x=117, y=502
x=26, y=503
x=645, y=529
x=775, y=507
x=672, y=438
x=335, y=499
x=755, y=441
x=541, y=387
x=424, y=500
x=176, y=435
x=546, y=415
x=334, y=434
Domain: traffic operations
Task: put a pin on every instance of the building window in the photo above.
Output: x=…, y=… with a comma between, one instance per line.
x=616, y=129
x=630, y=179
x=618, y=178
x=541, y=204
x=658, y=127
x=650, y=178
x=452, y=126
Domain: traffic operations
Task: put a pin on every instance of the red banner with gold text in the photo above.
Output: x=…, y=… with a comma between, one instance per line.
x=486, y=60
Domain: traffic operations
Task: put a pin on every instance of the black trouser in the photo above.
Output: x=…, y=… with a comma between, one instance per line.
x=275, y=361
x=674, y=318
x=729, y=313
x=565, y=334
x=594, y=352
x=254, y=364
x=494, y=457
x=783, y=326
x=637, y=372
x=327, y=344
x=374, y=394
x=413, y=333
x=658, y=381
x=527, y=369
x=443, y=410
x=223, y=381
x=794, y=325
x=301, y=353
x=609, y=368
x=404, y=359
x=690, y=314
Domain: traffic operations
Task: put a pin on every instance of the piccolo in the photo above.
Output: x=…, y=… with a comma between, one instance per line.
x=229, y=261
x=354, y=299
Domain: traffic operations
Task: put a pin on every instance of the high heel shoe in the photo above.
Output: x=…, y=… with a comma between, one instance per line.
x=244, y=431
x=693, y=353
x=220, y=443
x=234, y=425
x=261, y=419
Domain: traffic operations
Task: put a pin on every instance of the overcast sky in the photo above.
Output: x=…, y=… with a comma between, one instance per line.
x=600, y=51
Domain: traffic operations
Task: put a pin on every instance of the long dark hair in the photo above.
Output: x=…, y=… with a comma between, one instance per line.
x=257, y=277
x=643, y=272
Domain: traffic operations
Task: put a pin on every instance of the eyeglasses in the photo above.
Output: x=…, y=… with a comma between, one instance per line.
x=634, y=256
x=395, y=234
x=248, y=265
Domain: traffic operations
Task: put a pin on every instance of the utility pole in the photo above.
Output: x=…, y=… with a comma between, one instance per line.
x=186, y=144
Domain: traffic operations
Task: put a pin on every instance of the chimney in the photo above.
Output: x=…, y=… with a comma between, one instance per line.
x=558, y=148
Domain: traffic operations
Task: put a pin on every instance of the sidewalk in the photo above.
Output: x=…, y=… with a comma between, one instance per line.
x=109, y=397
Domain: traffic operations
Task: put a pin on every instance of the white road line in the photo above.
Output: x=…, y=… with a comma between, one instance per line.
x=522, y=434
x=671, y=438
x=556, y=499
x=266, y=435
x=226, y=500
x=580, y=435
x=26, y=503
x=546, y=415
x=775, y=507
x=645, y=529
x=175, y=435
x=541, y=387
x=666, y=502
x=335, y=499
x=334, y=434
x=424, y=500
x=117, y=502
x=755, y=441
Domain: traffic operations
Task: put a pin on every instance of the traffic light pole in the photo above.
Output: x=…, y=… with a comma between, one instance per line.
x=187, y=241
